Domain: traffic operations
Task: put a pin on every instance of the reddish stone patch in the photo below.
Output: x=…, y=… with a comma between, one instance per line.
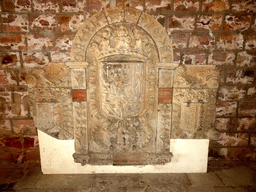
x=165, y=95
x=79, y=95
x=132, y=158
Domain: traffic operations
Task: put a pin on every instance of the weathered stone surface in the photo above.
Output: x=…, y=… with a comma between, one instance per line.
x=117, y=93
x=229, y=177
x=208, y=179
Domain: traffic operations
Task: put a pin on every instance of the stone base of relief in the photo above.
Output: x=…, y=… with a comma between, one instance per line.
x=189, y=156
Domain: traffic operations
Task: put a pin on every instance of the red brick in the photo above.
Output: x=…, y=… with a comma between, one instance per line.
x=165, y=95
x=46, y=5
x=8, y=154
x=202, y=41
x=40, y=42
x=241, y=153
x=64, y=42
x=240, y=76
x=12, y=41
x=11, y=76
x=15, y=22
x=243, y=6
x=16, y=110
x=24, y=127
x=209, y=22
x=230, y=41
x=181, y=22
x=237, y=22
x=194, y=58
x=238, y=139
x=247, y=109
x=253, y=139
x=132, y=158
x=228, y=93
x=176, y=56
x=138, y=4
x=186, y=5
x=179, y=40
x=14, y=142
x=10, y=59
x=222, y=124
x=222, y=73
x=22, y=5
x=221, y=58
x=215, y=5
x=6, y=96
x=70, y=23
x=226, y=109
x=8, y=5
x=251, y=93
x=45, y=22
x=73, y=5
x=246, y=59
x=254, y=23
x=79, y=95
x=97, y=5
x=5, y=127
x=28, y=142
x=250, y=42
x=3, y=77
x=32, y=155
x=35, y=59
x=243, y=124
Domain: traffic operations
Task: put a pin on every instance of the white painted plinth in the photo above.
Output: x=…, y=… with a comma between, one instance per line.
x=189, y=156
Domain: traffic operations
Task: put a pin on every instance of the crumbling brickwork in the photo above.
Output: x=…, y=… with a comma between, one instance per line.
x=34, y=33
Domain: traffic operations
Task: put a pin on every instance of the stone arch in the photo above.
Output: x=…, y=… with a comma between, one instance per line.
x=119, y=15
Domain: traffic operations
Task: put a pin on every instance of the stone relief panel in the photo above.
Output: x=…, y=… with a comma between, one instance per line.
x=121, y=98
x=50, y=100
x=194, y=99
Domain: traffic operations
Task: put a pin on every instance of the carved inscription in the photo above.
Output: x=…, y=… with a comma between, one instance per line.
x=190, y=116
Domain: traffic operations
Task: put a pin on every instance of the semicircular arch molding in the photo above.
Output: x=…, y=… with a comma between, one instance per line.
x=119, y=15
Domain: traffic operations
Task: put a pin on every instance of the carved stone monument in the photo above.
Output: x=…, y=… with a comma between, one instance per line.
x=121, y=98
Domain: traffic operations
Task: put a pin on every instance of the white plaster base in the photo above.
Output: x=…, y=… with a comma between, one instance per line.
x=189, y=156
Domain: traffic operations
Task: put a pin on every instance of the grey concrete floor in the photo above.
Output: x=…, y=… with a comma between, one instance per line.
x=30, y=178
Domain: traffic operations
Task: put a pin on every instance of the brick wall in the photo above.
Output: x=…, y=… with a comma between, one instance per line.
x=212, y=32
